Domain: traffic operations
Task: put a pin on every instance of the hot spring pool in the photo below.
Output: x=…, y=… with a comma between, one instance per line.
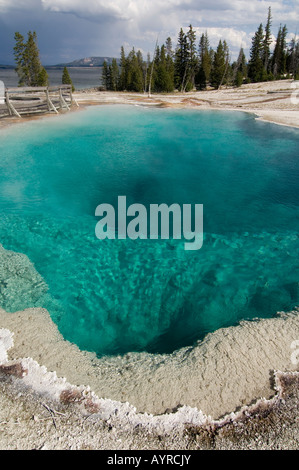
x=116, y=296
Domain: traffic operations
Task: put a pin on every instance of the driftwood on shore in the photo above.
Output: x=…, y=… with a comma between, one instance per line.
x=21, y=101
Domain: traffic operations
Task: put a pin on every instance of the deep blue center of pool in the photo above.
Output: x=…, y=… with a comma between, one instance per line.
x=116, y=296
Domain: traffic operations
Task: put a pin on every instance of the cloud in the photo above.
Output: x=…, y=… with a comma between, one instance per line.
x=242, y=10
x=235, y=38
x=143, y=20
x=24, y=5
x=126, y=10
x=100, y=27
x=91, y=9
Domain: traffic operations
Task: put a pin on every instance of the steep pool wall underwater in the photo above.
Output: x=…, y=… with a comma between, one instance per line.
x=147, y=310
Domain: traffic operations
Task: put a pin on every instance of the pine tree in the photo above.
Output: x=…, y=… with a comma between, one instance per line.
x=66, y=78
x=19, y=53
x=205, y=62
x=276, y=54
x=134, y=73
x=106, y=75
x=283, y=47
x=240, y=69
x=267, y=42
x=280, y=55
x=113, y=75
x=227, y=71
x=122, y=84
x=256, y=66
x=33, y=60
x=219, y=66
x=169, y=50
x=181, y=61
x=293, y=58
x=28, y=64
x=155, y=84
x=163, y=77
x=192, y=58
x=43, y=77
x=169, y=66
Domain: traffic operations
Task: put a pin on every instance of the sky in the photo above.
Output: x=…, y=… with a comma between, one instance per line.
x=73, y=29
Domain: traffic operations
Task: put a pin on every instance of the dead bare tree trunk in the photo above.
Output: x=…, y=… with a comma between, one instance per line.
x=183, y=86
x=152, y=70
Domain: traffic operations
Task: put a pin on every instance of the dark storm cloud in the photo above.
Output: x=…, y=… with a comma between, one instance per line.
x=62, y=37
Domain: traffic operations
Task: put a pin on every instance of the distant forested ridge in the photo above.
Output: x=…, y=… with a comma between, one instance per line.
x=194, y=64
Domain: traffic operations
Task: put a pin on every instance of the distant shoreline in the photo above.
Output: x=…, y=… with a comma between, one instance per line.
x=56, y=67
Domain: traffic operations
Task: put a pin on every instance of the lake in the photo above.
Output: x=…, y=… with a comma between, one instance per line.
x=82, y=77
x=113, y=296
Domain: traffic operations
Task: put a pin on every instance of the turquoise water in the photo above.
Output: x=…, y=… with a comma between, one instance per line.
x=115, y=296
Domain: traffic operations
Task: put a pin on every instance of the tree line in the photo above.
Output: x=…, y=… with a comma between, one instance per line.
x=187, y=66
x=191, y=65
x=28, y=64
x=284, y=61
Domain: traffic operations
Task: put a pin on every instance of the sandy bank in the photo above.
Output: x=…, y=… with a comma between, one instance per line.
x=228, y=369
x=184, y=397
